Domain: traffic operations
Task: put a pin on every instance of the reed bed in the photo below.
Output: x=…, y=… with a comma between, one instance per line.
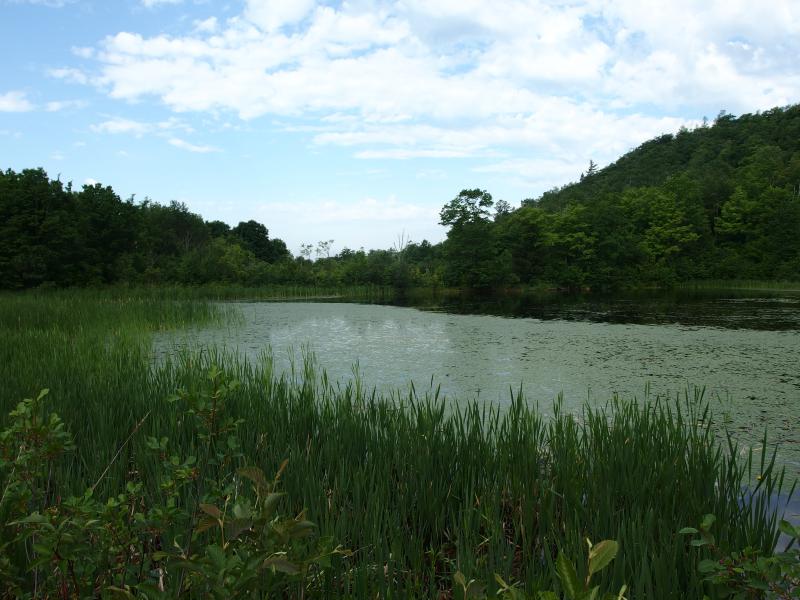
x=417, y=486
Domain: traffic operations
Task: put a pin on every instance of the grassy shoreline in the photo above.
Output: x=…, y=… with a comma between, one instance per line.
x=417, y=492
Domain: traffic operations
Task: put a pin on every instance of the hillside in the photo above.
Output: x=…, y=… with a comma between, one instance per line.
x=720, y=201
x=715, y=156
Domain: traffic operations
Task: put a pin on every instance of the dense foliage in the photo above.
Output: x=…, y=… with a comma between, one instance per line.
x=721, y=201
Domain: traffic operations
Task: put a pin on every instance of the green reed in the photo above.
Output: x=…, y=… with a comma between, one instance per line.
x=417, y=486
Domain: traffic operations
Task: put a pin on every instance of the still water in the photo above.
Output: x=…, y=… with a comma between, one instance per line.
x=743, y=351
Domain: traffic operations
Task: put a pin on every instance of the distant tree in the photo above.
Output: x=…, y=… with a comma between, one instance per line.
x=469, y=206
x=501, y=210
x=472, y=255
x=218, y=228
x=591, y=171
x=305, y=251
x=253, y=236
x=110, y=229
x=324, y=248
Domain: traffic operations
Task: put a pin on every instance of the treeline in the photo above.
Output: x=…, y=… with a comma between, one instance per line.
x=721, y=201
x=54, y=235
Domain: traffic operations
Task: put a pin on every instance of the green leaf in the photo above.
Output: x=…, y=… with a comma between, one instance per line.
x=217, y=557
x=235, y=528
x=568, y=576
x=707, y=522
x=255, y=475
x=279, y=562
x=205, y=525
x=271, y=503
x=32, y=519
x=458, y=577
x=707, y=566
x=547, y=596
x=301, y=529
x=789, y=529
x=211, y=510
x=688, y=530
x=601, y=555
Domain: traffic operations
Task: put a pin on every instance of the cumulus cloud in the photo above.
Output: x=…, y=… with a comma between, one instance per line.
x=165, y=129
x=273, y=14
x=152, y=3
x=15, y=101
x=466, y=78
x=70, y=75
x=209, y=25
x=184, y=145
x=121, y=125
x=59, y=105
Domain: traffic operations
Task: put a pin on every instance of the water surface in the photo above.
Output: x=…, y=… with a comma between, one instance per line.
x=742, y=352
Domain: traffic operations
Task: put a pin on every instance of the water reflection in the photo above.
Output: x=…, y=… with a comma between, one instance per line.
x=771, y=311
x=743, y=351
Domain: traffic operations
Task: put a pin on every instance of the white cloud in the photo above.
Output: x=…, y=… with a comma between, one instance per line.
x=273, y=14
x=116, y=125
x=467, y=78
x=15, y=101
x=83, y=52
x=368, y=222
x=152, y=3
x=366, y=209
x=121, y=125
x=70, y=75
x=59, y=105
x=184, y=145
x=90, y=182
x=538, y=173
x=209, y=25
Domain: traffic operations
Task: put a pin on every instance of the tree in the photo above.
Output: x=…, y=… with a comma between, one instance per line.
x=501, y=210
x=324, y=248
x=110, y=229
x=472, y=254
x=218, y=228
x=468, y=207
x=254, y=237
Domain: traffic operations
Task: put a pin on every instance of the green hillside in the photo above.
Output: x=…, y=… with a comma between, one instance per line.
x=719, y=201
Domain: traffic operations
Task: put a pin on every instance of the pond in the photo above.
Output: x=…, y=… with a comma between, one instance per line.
x=741, y=351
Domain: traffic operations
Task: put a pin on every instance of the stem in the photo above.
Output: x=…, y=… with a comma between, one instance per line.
x=119, y=450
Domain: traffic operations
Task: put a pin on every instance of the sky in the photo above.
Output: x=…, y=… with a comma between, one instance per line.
x=356, y=121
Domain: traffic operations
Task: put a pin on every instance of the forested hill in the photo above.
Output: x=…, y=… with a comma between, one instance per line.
x=711, y=156
x=718, y=202
x=721, y=201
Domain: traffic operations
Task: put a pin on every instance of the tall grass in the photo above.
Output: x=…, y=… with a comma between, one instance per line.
x=418, y=487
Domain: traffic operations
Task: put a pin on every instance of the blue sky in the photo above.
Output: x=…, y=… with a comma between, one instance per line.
x=356, y=121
